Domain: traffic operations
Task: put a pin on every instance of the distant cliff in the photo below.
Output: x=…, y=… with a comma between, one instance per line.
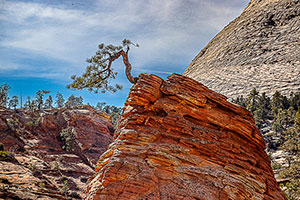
x=259, y=49
x=50, y=154
x=179, y=140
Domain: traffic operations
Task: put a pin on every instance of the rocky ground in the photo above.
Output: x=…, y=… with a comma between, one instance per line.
x=259, y=49
x=179, y=140
x=50, y=154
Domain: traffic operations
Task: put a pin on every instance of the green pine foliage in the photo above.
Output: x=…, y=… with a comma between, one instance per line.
x=258, y=105
x=4, y=89
x=68, y=136
x=282, y=114
x=39, y=98
x=13, y=102
x=74, y=101
x=113, y=111
x=99, y=72
x=48, y=103
x=60, y=101
x=27, y=104
x=279, y=109
x=291, y=189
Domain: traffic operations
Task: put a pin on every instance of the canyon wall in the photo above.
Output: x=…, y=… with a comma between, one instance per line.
x=50, y=154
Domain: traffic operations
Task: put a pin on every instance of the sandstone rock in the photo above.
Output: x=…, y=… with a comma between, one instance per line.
x=260, y=48
x=179, y=140
x=51, y=153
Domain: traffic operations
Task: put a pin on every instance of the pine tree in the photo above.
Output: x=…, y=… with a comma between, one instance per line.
x=27, y=104
x=254, y=105
x=291, y=115
x=34, y=105
x=14, y=102
x=281, y=121
x=278, y=102
x=264, y=103
x=4, y=89
x=297, y=120
x=59, y=100
x=240, y=100
x=99, y=73
x=114, y=112
x=48, y=102
x=252, y=100
x=294, y=100
x=79, y=100
x=74, y=101
x=100, y=105
x=39, y=98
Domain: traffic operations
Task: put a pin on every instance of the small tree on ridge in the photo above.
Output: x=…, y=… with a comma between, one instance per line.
x=14, y=102
x=99, y=73
x=39, y=98
x=4, y=95
x=59, y=100
x=48, y=102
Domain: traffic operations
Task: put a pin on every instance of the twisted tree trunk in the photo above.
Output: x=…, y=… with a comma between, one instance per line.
x=128, y=68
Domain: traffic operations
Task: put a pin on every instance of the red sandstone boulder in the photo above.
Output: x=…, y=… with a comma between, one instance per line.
x=179, y=140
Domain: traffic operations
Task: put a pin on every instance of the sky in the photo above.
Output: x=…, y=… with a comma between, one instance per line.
x=44, y=42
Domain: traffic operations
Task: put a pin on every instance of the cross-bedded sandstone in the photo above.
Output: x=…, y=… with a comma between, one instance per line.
x=179, y=140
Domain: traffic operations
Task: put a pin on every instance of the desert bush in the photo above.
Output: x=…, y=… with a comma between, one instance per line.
x=68, y=136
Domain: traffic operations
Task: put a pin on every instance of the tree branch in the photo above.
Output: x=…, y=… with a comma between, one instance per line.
x=128, y=68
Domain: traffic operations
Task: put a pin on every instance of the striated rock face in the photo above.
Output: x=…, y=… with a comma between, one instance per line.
x=50, y=154
x=179, y=140
x=260, y=48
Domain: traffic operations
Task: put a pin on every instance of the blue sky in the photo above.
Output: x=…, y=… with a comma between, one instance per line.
x=44, y=42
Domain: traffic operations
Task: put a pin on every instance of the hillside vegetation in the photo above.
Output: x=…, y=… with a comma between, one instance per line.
x=278, y=118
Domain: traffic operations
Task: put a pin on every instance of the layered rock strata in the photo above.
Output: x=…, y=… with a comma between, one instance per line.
x=179, y=140
x=259, y=49
x=50, y=154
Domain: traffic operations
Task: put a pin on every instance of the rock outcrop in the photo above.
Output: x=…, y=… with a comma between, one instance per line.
x=50, y=154
x=179, y=140
x=259, y=49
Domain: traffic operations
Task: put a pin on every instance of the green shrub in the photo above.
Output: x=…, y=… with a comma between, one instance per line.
x=35, y=121
x=275, y=165
x=4, y=153
x=68, y=136
x=291, y=189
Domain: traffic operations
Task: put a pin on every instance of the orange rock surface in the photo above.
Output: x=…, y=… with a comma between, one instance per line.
x=179, y=140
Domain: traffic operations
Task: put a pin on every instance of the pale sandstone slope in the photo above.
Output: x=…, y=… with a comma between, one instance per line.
x=260, y=48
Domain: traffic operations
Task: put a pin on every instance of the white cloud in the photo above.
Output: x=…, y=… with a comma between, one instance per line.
x=169, y=31
x=7, y=66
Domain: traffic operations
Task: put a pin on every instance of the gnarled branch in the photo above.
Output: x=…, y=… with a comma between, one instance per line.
x=99, y=73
